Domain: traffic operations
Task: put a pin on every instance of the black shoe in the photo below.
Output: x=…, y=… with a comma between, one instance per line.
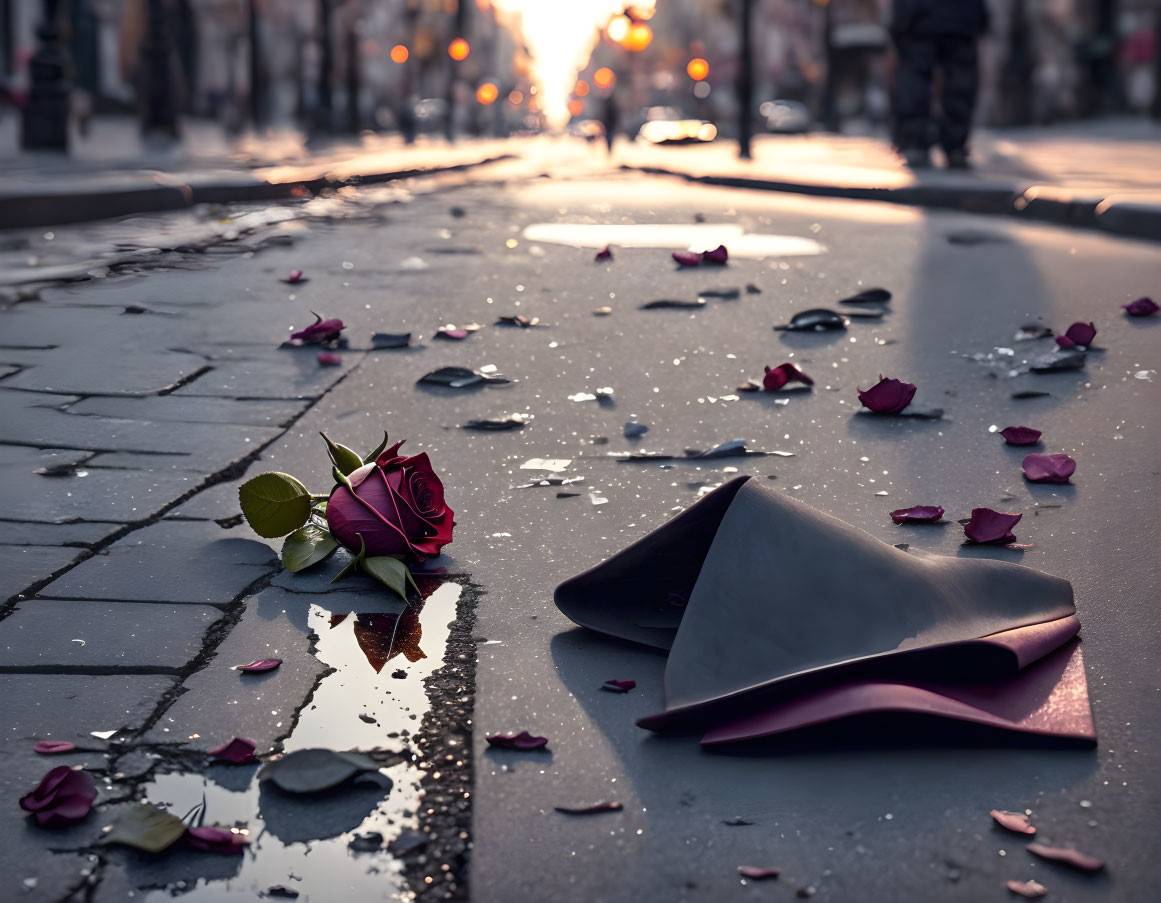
x=958, y=159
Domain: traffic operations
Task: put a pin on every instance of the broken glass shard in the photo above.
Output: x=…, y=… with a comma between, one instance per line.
x=1061, y=359
x=1030, y=331
x=555, y=465
x=817, y=319
x=511, y=422
x=735, y=448
x=868, y=296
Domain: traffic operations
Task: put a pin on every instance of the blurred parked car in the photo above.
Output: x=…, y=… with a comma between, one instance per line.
x=786, y=117
x=664, y=125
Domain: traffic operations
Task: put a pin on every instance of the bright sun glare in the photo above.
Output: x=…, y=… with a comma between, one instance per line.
x=560, y=37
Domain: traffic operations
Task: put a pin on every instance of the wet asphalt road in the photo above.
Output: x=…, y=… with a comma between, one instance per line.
x=880, y=817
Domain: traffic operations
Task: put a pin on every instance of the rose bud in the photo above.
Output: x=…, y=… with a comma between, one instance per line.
x=777, y=377
x=1020, y=435
x=1048, y=468
x=1142, y=307
x=319, y=332
x=396, y=503
x=1077, y=334
x=987, y=525
x=63, y=796
x=887, y=396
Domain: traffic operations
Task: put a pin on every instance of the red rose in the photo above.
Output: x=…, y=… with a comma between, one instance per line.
x=397, y=506
x=63, y=796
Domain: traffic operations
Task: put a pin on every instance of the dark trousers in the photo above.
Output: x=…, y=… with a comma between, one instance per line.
x=953, y=57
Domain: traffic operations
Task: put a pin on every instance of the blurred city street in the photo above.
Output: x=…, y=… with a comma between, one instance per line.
x=577, y=333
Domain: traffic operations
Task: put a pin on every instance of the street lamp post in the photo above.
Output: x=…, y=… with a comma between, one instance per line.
x=324, y=100
x=155, y=78
x=45, y=123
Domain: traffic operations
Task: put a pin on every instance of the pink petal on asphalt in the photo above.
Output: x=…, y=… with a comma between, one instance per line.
x=52, y=747
x=756, y=873
x=1013, y=821
x=988, y=525
x=590, y=810
x=1020, y=435
x=1028, y=889
x=618, y=686
x=606, y=253
x=522, y=740
x=1069, y=857
x=216, y=840
x=777, y=377
x=294, y=276
x=1065, y=342
x=887, y=396
x=457, y=335
x=260, y=665
x=327, y=359
x=64, y=795
x=240, y=751
x=1078, y=334
x=1048, y=468
x=1142, y=307
x=918, y=514
x=718, y=255
x=319, y=331
x=687, y=258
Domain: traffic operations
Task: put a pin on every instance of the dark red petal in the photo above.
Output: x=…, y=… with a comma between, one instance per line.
x=1142, y=307
x=1073, y=858
x=259, y=665
x=1020, y=435
x=1013, y=821
x=1048, y=468
x=887, y=396
x=756, y=873
x=605, y=253
x=216, y=840
x=618, y=686
x=329, y=359
x=52, y=747
x=687, y=258
x=240, y=751
x=1081, y=333
x=988, y=525
x=522, y=740
x=918, y=514
x=717, y=255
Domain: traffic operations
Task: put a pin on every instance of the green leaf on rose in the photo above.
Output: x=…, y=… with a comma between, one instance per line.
x=389, y=571
x=346, y=460
x=378, y=450
x=353, y=563
x=341, y=478
x=274, y=504
x=146, y=828
x=306, y=547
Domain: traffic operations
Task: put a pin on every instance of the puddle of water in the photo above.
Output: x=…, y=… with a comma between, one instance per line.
x=302, y=842
x=679, y=236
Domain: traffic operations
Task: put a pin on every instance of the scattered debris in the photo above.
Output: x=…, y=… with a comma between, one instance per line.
x=384, y=340
x=590, y=810
x=1061, y=359
x=312, y=770
x=1013, y=821
x=1020, y=396
x=1073, y=858
x=755, y=873
x=1020, y=435
x=919, y=514
x=217, y=840
x=618, y=686
x=52, y=747
x=672, y=304
x=606, y=253
x=145, y=827
x=1031, y=331
x=602, y=311
x=521, y=741
x=721, y=294
x=868, y=296
x=737, y=822
x=635, y=430
x=518, y=320
x=735, y=448
x=511, y=422
x=294, y=277
x=240, y=751
x=370, y=842
x=817, y=319
x=1029, y=889
x=259, y=666
x=329, y=359
x=460, y=377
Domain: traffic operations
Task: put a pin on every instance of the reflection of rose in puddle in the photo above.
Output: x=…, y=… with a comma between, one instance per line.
x=381, y=641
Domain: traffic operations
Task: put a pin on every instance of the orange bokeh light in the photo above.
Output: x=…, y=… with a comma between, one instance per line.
x=640, y=36
x=487, y=93
x=604, y=77
x=515, y=98
x=575, y=108
x=619, y=28
x=698, y=69
x=581, y=89
x=458, y=49
x=399, y=54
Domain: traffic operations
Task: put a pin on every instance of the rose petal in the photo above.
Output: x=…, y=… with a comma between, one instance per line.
x=240, y=751
x=319, y=331
x=522, y=740
x=1048, y=468
x=887, y=396
x=756, y=873
x=1078, y=334
x=687, y=258
x=216, y=840
x=777, y=377
x=718, y=255
x=52, y=747
x=918, y=514
x=590, y=810
x=1020, y=435
x=1073, y=858
x=988, y=525
x=1142, y=307
x=260, y=665
x=294, y=277
x=1013, y=821
x=452, y=333
x=1065, y=342
x=1029, y=889
x=64, y=795
x=618, y=686
x=327, y=359
x=606, y=253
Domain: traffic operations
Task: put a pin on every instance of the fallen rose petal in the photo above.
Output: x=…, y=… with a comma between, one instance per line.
x=1073, y=858
x=687, y=258
x=216, y=840
x=63, y=796
x=618, y=686
x=319, y=332
x=1020, y=435
x=240, y=751
x=260, y=665
x=917, y=514
x=988, y=525
x=1048, y=468
x=590, y=810
x=1077, y=334
x=1029, y=889
x=518, y=320
x=887, y=396
x=294, y=277
x=522, y=740
x=777, y=377
x=757, y=874
x=1142, y=307
x=52, y=747
x=1013, y=821
x=606, y=253
x=327, y=359
x=718, y=255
